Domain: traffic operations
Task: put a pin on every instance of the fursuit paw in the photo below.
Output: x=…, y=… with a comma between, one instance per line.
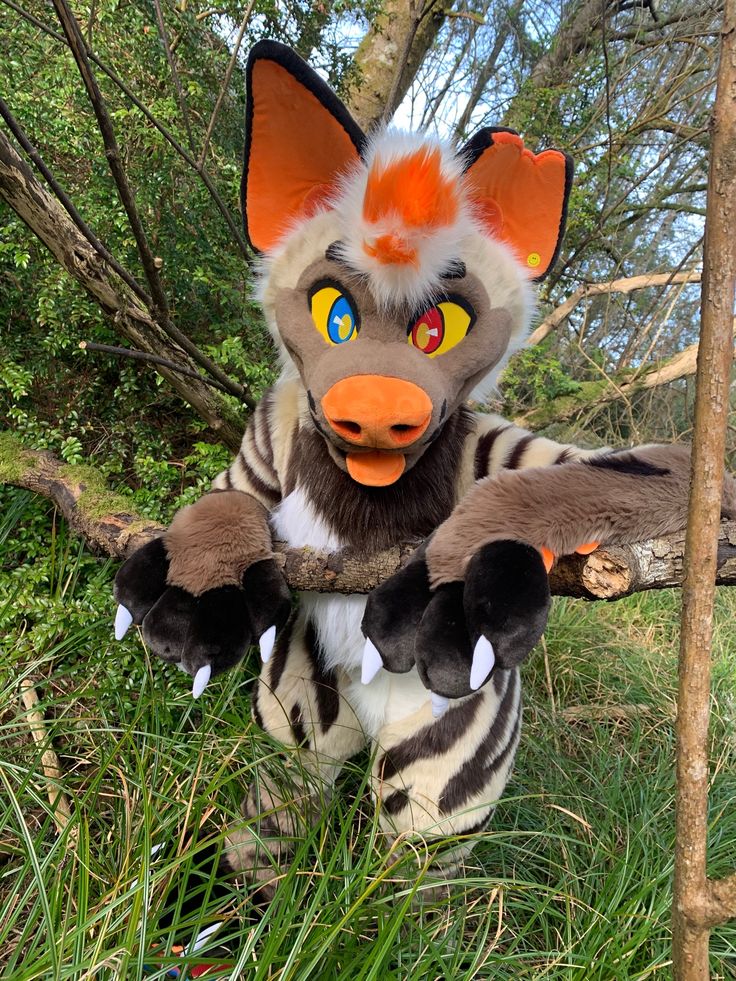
x=456, y=634
x=204, y=634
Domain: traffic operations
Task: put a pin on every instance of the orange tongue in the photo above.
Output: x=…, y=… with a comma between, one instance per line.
x=375, y=469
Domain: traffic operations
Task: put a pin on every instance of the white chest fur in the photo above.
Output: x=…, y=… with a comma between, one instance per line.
x=336, y=617
x=337, y=620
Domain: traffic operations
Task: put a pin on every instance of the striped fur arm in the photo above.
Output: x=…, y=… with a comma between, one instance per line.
x=503, y=446
x=255, y=469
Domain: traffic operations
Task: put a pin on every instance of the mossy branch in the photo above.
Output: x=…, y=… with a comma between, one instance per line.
x=111, y=527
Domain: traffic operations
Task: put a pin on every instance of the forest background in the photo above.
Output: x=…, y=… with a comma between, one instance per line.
x=573, y=878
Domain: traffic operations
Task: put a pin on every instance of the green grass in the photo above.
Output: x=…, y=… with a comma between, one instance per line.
x=572, y=881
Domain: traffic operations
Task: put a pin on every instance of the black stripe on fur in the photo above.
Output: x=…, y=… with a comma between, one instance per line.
x=483, y=451
x=280, y=654
x=432, y=740
x=515, y=456
x=325, y=682
x=475, y=772
x=627, y=463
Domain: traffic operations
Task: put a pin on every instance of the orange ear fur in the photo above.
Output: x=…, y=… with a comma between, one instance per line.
x=520, y=197
x=299, y=140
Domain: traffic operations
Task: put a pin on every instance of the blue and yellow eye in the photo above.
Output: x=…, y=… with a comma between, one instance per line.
x=333, y=313
x=442, y=326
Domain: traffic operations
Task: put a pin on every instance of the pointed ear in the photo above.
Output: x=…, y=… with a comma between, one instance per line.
x=299, y=138
x=521, y=197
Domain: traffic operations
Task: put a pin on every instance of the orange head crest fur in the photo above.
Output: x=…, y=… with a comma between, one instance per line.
x=404, y=215
x=412, y=188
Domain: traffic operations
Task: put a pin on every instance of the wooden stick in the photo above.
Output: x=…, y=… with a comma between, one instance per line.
x=52, y=771
x=695, y=907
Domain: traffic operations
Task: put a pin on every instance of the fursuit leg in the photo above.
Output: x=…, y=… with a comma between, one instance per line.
x=303, y=706
x=441, y=778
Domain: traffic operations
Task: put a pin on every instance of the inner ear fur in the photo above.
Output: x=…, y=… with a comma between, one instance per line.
x=521, y=197
x=299, y=139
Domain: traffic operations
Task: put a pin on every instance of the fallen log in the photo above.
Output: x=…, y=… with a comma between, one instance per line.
x=110, y=527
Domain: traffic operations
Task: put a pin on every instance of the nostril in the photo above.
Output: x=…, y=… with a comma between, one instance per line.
x=349, y=426
x=401, y=427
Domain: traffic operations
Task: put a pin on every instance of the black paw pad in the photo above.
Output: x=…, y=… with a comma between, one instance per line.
x=394, y=611
x=141, y=579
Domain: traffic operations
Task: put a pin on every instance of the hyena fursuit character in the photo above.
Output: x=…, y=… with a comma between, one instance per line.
x=396, y=280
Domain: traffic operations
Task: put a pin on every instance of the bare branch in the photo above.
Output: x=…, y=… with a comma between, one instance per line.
x=181, y=101
x=225, y=83
x=126, y=352
x=625, y=285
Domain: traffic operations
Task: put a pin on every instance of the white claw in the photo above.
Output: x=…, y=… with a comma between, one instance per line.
x=123, y=620
x=372, y=662
x=201, y=679
x=439, y=704
x=266, y=642
x=483, y=661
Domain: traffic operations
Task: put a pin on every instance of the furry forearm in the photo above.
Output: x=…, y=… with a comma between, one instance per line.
x=614, y=498
x=212, y=543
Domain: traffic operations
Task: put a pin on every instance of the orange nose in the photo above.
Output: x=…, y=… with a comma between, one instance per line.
x=373, y=410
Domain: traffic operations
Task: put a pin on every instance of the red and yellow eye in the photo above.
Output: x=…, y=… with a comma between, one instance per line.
x=441, y=327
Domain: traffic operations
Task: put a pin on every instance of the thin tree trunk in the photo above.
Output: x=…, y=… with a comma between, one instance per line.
x=696, y=905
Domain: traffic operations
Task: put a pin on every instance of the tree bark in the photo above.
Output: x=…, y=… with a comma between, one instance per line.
x=110, y=527
x=696, y=904
x=50, y=223
x=390, y=55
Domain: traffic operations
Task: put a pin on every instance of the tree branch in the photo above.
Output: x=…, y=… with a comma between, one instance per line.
x=51, y=224
x=106, y=521
x=154, y=121
x=35, y=157
x=150, y=264
x=225, y=84
x=680, y=365
x=126, y=352
x=625, y=285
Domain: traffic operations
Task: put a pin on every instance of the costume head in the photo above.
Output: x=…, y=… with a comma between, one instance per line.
x=396, y=270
